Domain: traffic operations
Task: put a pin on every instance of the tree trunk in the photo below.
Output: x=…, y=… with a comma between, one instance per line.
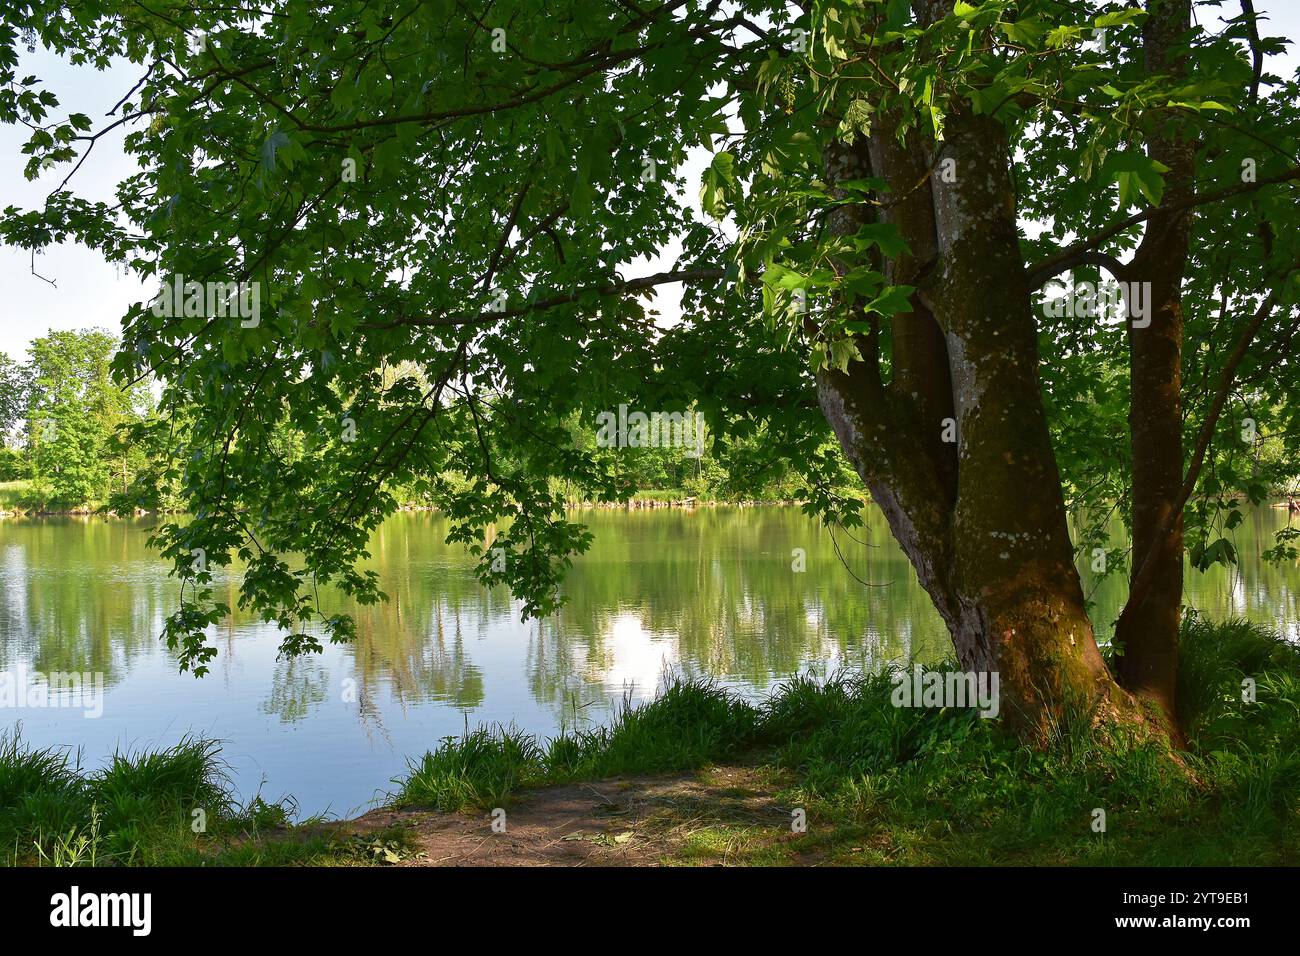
x=1148, y=631
x=981, y=519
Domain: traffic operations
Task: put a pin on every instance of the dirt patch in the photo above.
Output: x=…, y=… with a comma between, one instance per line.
x=635, y=821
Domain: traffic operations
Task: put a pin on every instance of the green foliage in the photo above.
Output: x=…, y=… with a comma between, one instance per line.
x=13, y=465
x=74, y=412
x=13, y=397
x=442, y=221
x=14, y=494
x=1245, y=132
x=1216, y=659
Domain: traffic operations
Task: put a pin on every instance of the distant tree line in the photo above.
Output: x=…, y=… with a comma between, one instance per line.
x=74, y=437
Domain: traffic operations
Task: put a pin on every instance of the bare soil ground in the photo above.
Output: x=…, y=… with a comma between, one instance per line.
x=636, y=821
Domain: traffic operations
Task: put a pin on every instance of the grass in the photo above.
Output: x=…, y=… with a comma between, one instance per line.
x=689, y=725
x=170, y=807
x=882, y=784
x=14, y=495
x=661, y=494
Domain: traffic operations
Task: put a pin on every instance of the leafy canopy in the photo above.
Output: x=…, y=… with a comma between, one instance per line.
x=450, y=211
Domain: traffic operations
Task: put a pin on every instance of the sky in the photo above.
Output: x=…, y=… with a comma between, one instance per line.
x=84, y=291
x=88, y=292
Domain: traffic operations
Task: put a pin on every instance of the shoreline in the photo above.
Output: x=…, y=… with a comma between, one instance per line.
x=823, y=772
x=631, y=504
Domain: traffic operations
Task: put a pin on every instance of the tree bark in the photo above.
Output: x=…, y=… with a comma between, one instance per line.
x=982, y=520
x=1148, y=631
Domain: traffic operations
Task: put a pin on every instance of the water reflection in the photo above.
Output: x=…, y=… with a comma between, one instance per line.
x=710, y=592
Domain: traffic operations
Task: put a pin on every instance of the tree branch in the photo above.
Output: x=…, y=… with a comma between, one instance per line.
x=1041, y=275
x=1057, y=262
x=490, y=317
x=1256, y=48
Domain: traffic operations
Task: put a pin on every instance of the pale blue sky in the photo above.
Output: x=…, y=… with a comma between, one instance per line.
x=89, y=292
x=92, y=293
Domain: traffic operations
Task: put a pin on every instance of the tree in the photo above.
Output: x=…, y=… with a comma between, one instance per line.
x=73, y=418
x=469, y=187
x=13, y=394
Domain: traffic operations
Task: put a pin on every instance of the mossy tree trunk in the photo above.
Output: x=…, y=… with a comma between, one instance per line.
x=955, y=447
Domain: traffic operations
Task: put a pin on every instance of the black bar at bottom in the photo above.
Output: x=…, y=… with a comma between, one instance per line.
x=305, y=906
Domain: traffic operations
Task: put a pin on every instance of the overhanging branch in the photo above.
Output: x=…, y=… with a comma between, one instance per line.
x=1041, y=275
x=567, y=298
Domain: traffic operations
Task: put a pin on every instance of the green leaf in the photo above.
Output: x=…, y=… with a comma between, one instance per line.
x=274, y=143
x=1137, y=175
x=780, y=277
x=895, y=299
x=724, y=164
x=882, y=235
x=844, y=351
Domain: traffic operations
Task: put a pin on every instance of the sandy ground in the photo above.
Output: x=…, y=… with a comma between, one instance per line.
x=617, y=822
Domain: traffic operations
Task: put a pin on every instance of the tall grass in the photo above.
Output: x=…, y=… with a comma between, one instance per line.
x=15, y=495
x=479, y=769
x=691, y=723
x=1250, y=749
x=43, y=797
x=143, y=807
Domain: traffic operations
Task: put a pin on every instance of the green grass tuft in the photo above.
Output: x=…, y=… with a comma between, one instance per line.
x=690, y=724
x=477, y=770
x=142, y=808
x=15, y=495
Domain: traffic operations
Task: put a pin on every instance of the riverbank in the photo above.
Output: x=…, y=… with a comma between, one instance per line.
x=820, y=773
x=15, y=502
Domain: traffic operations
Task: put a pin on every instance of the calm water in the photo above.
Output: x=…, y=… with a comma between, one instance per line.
x=707, y=592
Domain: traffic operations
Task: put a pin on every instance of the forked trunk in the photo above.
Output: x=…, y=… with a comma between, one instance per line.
x=955, y=449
